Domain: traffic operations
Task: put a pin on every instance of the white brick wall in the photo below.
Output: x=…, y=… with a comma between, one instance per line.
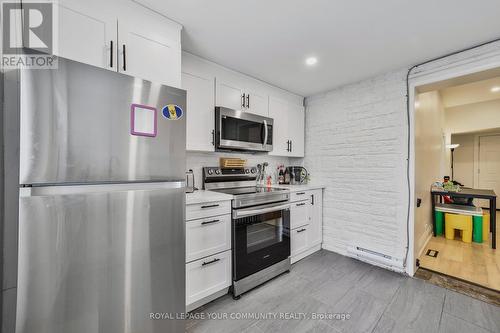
x=356, y=145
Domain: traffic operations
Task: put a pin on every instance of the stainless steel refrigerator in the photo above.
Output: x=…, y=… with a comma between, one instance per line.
x=93, y=202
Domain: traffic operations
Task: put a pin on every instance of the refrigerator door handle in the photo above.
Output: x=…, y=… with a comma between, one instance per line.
x=96, y=188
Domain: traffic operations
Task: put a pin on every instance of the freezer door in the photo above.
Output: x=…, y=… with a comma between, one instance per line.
x=98, y=259
x=81, y=123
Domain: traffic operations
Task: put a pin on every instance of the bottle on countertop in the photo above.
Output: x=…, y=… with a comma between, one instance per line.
x=287, y=177
x=281, y=175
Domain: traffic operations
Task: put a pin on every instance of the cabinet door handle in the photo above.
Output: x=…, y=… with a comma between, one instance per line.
x=291, y=145
x=248, y=101
x=300, y=204
x=301, y=230
x=312, y=199
x=124, y=58
x=300, y=193
x=210, y=206
x=288, y=145
x=210, y=262
x=213, y=137
x=209, y=222
x=243, y=100
x=111, y=55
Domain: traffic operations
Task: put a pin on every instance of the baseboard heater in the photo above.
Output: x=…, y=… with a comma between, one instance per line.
x=376, y=258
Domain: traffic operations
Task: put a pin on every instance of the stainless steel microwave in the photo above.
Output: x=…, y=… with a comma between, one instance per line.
x=243, y=131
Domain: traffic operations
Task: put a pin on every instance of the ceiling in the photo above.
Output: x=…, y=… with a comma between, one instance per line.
x=470, y=93
x=352, y=39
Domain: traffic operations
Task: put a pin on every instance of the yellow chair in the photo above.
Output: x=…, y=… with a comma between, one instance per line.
x=460, y=222
x=486, y=226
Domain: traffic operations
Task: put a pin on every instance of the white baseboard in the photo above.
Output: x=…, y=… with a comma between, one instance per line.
x=426, y=238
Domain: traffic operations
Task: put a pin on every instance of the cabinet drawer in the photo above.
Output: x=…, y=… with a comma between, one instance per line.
x=205, y=237
x=202, y=210
x=299, y=213
x=301, y=195
x=299, y=239
x=207, y=276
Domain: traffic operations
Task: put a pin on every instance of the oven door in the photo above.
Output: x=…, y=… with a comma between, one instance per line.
x=239, y=130
x=260, y=238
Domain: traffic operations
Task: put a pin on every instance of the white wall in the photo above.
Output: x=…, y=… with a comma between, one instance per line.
x=198, y=160
x=473, y=117
x=430, y=159
x=356, y=144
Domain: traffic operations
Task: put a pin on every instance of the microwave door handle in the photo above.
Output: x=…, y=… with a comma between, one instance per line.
x=244, y=213
x=265, y=133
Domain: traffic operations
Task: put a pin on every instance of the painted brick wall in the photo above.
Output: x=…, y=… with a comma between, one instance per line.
x=356, y=145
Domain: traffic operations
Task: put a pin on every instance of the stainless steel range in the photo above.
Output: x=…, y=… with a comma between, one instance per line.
x=260, y=223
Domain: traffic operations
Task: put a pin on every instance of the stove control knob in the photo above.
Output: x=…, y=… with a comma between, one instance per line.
x=210, y=171
x=217, y=172
x=253, y=170
x=247, y=171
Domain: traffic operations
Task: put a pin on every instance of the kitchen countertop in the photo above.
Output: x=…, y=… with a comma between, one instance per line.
x=201, y=196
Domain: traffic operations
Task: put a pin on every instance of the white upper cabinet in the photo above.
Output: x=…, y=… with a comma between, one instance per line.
x=122, y=36
x=296, y=128
x=199, y=82
x=149, y=46
x=86, y=32
x=288, y=131
x=200, y=116
x=229, y=94
x=257, y=102
x=203, y=80
x=238, y=92
x=278, y=110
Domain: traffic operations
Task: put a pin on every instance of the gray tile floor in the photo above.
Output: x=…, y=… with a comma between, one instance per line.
x=327, y=283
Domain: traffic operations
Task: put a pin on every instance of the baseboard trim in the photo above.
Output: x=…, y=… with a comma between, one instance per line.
x=424, y=244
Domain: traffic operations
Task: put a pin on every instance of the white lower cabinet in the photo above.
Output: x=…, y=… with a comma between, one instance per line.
x=208, y=252
x=300, y=213
x=299, y=239
x=316, y=213
x=207, y=236
x=203, y=210
x=207, y=276
x=306, y=223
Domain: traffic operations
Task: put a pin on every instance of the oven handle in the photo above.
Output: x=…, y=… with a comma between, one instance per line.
x=251, y=212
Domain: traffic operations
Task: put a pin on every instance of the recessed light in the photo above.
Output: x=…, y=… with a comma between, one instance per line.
x=311, y=61
x=495, y=89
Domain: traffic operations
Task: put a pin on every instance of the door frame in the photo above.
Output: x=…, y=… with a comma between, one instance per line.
x=465, y=63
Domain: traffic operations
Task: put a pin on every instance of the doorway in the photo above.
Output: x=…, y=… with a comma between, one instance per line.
x=457, y=135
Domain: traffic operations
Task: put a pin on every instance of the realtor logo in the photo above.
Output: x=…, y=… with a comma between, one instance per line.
x=28, y=34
